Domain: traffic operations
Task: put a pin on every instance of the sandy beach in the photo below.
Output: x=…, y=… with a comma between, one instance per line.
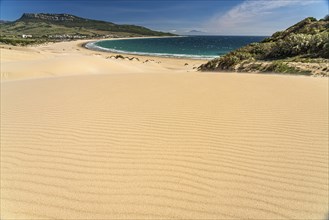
x=86, y=136
x=71, y=58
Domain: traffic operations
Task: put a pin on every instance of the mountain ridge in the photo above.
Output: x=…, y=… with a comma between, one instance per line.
x=49, y=24
x=48, y=16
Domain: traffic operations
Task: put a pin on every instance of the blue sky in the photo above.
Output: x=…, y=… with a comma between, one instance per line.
x=218, y=17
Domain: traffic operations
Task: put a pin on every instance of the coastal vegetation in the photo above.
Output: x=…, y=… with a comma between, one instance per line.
x=301, y=49
x=21, y=41
x=57, y=27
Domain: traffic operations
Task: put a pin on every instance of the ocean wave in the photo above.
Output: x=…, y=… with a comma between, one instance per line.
x=93, y=46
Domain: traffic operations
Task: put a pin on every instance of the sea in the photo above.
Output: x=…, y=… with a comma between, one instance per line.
x=197, y=47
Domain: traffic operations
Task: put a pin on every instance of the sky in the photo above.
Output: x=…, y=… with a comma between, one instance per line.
x=207, y=17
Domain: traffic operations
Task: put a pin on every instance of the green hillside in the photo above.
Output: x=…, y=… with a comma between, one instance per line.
x=302, y=48
x=69, y=26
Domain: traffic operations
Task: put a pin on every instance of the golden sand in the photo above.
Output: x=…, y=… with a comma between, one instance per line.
x=85, y=137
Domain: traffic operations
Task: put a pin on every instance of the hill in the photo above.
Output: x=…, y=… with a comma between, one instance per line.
x=302, y=48
x=61, y=26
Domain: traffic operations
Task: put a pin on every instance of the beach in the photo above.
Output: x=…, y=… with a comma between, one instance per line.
x=87, y=136
x=71, y=58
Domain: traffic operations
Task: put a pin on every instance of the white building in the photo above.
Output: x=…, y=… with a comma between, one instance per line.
x=26, y=36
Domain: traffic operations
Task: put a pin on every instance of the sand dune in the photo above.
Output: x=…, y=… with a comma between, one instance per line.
x=69, y=58
x=166, y=145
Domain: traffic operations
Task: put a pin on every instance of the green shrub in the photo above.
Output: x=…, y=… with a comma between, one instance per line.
x=119, y=56
x=20, y=42
x=298, y=44
x=281, y=67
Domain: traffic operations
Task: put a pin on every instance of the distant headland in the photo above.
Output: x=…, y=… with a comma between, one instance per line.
x=44, y=27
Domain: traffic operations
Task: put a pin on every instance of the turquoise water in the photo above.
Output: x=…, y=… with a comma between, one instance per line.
x=204, y=47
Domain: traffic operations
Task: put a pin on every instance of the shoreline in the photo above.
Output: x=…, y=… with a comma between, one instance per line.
x=174, y=56
x=20, y=55
x=16, y=60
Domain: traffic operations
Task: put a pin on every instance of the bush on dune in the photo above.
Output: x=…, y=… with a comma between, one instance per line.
x=306, y=39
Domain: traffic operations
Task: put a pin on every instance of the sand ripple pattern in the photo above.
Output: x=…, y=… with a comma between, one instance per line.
x=164, y=146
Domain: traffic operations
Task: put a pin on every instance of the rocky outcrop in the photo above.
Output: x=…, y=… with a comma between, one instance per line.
x=48, y=17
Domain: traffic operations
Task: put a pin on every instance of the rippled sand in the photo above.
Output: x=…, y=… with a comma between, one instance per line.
x=161, y=144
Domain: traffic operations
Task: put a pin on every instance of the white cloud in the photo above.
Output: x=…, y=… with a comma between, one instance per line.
x=251, y=12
